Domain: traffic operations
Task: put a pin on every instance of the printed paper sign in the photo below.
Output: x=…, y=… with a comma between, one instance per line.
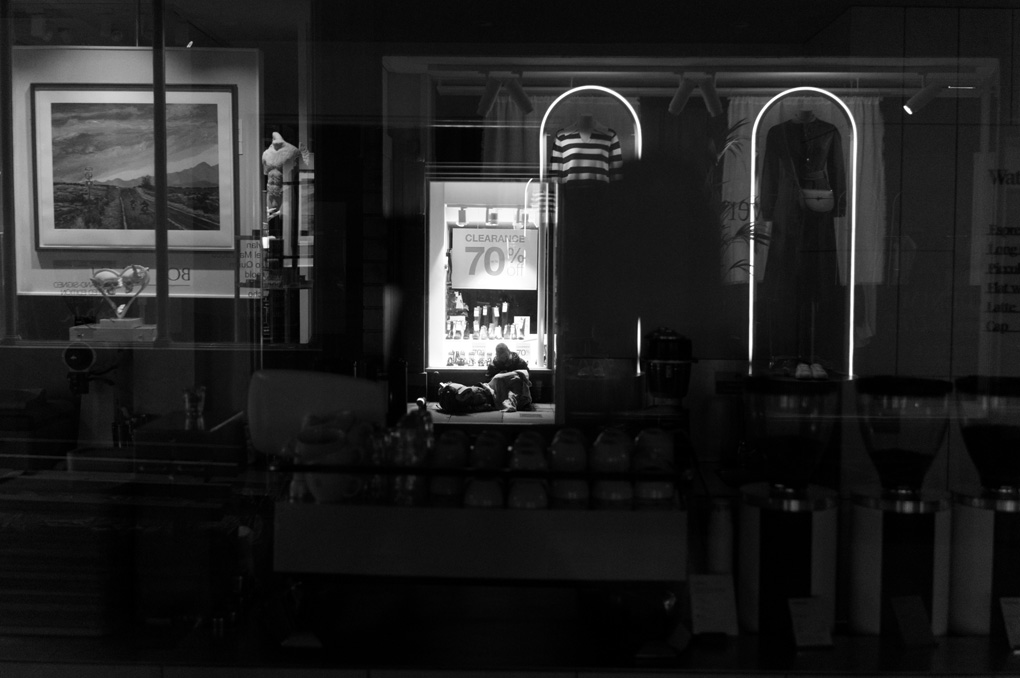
x=494, y=259
x=249, y=268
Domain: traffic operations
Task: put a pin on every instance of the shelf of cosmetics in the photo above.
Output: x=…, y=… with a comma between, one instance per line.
x=952, y=561
x=527, y=471
x=485, y=321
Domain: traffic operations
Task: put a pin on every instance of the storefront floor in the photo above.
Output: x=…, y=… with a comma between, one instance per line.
x=541, y=413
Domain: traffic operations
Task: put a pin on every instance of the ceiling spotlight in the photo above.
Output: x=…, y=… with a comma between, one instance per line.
x=712, y=102
x=688, y=82
x=683, y=93
x=922, y=98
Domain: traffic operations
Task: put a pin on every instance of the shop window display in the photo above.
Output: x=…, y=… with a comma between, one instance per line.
x=530, y=260
x=803, y=188
x=487, y=273
x=804, y=154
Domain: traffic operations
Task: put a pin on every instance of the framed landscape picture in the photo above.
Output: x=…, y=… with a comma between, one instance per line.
x=94, y=161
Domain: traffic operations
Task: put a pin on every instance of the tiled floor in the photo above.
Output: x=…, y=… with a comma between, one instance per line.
x=541, y=413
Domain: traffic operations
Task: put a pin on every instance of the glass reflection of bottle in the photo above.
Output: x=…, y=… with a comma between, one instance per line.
x=412, y=443
x=989, y=414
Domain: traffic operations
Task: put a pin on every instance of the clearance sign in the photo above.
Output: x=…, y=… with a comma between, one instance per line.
x=494, y=259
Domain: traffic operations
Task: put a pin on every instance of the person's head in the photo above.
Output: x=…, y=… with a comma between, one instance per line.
x=502, y=353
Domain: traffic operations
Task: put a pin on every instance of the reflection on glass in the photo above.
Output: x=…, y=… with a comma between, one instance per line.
x=790, y=424
x=989, y=410
x=903, y=421
x=487, y=275
x=803, y=191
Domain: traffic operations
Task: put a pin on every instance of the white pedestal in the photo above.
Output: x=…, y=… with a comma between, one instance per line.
x=787, y=549
x=899, y=550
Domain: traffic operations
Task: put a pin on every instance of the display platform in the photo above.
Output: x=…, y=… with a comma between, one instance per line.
x=543, y=414
x=114, y=330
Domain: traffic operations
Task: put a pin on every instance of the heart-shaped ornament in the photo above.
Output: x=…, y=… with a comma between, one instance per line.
x=132, y=280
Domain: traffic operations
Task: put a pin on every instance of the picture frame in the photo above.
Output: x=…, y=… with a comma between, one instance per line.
x=93, y=161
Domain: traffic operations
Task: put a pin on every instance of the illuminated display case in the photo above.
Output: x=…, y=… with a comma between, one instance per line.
x=805, y=147
x=488, y=272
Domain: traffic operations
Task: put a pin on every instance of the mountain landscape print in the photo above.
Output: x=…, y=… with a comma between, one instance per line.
x=103, y=162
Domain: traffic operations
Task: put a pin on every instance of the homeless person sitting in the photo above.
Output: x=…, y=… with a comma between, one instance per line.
x=508, y=387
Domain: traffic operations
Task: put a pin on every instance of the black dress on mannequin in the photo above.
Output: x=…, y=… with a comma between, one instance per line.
x=802, y=301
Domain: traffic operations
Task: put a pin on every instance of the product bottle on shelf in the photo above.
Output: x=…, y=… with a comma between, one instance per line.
x=496, y=330
x=508, y=321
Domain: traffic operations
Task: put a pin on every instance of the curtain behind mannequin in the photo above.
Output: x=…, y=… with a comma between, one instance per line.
x=871, y=194
x=871, y=208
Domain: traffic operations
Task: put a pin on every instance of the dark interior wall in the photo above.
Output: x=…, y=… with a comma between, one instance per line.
x=36, y=367
x=351, y=262
x=156, y=377
x=928, y=317
x=648, y=247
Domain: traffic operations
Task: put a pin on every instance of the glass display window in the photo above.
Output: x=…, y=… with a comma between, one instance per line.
x=803, y=190
x=488, y=272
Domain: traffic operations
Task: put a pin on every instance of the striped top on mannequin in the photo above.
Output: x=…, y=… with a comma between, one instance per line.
x=586, y=151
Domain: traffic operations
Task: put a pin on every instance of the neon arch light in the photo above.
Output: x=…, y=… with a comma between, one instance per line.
x=597, y=88
x=853, y=220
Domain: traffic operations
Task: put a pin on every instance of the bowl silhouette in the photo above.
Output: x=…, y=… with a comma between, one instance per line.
x=903, y=421
x=789, y=424
x=989, y=413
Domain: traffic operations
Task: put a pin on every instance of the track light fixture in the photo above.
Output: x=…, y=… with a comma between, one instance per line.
x=518, y=95
x=688, y=81
x=512, y=83
x=712, y=102
x=683, y=93
x=923, y=97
